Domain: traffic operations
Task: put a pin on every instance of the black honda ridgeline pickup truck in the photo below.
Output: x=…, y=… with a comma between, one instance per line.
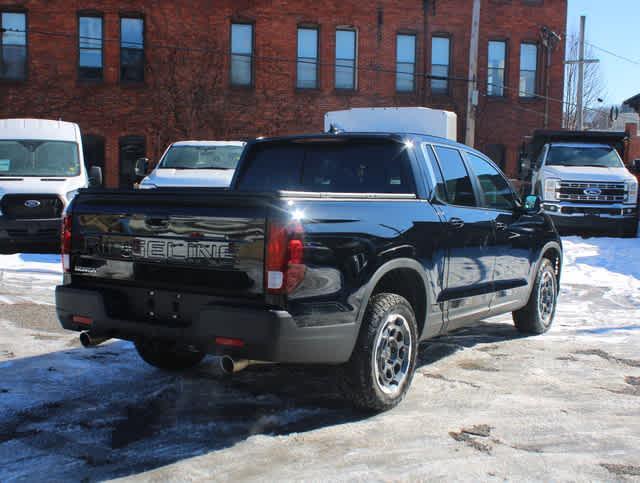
x=336, y=249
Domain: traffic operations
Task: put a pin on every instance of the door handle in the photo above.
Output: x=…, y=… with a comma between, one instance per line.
x=500, y=225
x=456, y=223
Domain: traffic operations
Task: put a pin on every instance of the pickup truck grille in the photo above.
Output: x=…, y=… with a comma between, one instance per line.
x=25, y=207
x=592, y=192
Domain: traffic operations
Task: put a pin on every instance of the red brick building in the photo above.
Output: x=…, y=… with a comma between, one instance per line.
x=137, y=75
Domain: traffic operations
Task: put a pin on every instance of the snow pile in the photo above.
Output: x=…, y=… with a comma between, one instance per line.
x=609, y=263
x=29, y=278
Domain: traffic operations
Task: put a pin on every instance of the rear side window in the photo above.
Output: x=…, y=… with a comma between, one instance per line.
x=457, y=182
x=335, y=167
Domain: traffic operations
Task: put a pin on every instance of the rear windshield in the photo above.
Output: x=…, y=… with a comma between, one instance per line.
x=338, y=167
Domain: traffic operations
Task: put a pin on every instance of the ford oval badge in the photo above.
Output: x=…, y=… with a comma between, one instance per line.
x=593, y=192
x=32, y=203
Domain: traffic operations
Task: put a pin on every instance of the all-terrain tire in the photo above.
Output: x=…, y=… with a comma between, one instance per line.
x=536, y=317
x=359, y=378
x=166, y=356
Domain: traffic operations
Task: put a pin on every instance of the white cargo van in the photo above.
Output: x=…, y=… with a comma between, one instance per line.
x=208, y=164
x=417, y=120
x=41, y=169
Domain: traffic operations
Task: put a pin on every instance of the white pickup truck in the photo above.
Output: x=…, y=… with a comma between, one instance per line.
x=41, y=169
x=197, y=164
x=585, y=186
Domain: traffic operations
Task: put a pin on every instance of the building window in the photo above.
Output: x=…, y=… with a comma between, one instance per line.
x=131, y=49
x=346, y=50
x=241, y=54
x=528, y=69
x=307, y=61
x=90, y=47
x=13, y=46
x=406, y=63
x=496, y=68
x=440, y=56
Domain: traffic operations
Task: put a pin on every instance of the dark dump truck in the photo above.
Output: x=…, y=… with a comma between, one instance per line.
x=338, y=249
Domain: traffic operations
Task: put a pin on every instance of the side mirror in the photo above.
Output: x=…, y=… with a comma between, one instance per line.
x=142, y=165
x=532, y=204
x=95, y=176
x=635, y=166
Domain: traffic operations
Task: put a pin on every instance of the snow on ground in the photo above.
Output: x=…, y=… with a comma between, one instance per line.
x=29, y=278
x=486, y=403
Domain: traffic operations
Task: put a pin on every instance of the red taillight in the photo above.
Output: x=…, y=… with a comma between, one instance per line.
x=65, y=243
x=284, y=267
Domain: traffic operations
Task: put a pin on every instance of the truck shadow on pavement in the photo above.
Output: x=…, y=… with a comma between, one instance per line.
x=102, y=413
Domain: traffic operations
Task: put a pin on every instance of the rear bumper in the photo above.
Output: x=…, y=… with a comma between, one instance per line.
x=269, y=335
x=30, y=232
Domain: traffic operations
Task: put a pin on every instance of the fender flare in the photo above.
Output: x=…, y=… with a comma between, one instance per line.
x=380, y=272
x=532, y=277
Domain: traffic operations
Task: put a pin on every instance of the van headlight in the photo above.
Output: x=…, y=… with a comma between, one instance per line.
x=70, y=195
x=631, y=187
x=551, y=186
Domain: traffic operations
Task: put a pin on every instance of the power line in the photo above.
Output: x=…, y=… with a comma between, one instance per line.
x=228, y=53
x=621, y=57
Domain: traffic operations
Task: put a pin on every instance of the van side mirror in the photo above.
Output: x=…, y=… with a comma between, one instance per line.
x=635, y=166
x=532, y=204
x=95, y=176
x=142, y=165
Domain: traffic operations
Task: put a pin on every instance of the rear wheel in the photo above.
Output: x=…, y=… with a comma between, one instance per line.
x=536, y=317
x=167, y=356
x=381, y=368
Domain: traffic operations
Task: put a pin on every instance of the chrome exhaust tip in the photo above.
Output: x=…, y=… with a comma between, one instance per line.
x=228, y=365
x=87, y=340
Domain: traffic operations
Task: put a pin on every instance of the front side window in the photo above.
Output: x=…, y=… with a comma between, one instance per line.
x=38, y=158
x=405, y=63
x=496, y=190
x=345, y=59
x=496, y=68
x=440, y=55
x=241, y=54
x=13, y=45
x=131, y=49
x=201, y=157
x=458, y=186
x=90, y=45
x=307, y=60
x=528, y=69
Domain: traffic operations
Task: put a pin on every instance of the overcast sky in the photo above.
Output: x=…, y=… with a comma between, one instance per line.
x=613, y=25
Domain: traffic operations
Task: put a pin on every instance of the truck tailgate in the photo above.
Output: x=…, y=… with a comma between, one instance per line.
x=201, y=240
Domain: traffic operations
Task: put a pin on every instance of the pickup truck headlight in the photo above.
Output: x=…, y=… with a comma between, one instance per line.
x=632, y=191
x=551, y=185
x=70, y=195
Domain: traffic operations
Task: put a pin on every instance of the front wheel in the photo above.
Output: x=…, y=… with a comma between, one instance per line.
x=166, y=356
x=536, y=317
x=381, y=368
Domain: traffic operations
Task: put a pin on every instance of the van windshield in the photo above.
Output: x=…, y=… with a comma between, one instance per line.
x=39, y=158
x=201, y=157
x=599, y=157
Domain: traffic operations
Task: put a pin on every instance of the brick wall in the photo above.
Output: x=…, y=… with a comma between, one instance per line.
x=187, y=94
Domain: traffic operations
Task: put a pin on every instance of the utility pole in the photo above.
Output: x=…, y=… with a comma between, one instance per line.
x=581, y=63
x=472, y=91
x=550, y=40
